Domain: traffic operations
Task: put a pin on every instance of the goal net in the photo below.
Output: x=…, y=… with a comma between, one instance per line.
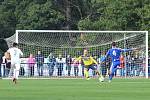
x=60, y=48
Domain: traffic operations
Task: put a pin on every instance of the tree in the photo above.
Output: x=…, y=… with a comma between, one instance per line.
x=37, y=15
x=116, y=15
x=73, y=15
x=7, y=18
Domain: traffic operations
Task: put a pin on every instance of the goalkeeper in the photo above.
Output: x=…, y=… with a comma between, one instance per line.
x=88, y=63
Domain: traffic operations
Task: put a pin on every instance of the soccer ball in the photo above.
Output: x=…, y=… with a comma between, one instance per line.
x=101, y=79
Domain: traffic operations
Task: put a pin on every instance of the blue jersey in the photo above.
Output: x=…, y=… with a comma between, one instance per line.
x=115, y=53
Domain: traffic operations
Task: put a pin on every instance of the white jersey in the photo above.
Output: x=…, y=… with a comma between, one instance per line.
x=15, y=54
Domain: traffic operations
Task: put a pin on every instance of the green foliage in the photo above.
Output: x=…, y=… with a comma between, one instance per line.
x=7, y=18
x=39, y=16
x=117, y=15
x=84, y=15
x=81, y=15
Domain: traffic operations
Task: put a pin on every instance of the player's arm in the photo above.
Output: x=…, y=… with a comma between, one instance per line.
x=78, y=59
x=126, y=50
x=93, y=60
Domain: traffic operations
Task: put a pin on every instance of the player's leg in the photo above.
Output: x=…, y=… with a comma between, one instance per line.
x=112, y=73
x=113, y=69
x=101, y=77
x=16, y=72
x=14, y=76
x=86, y=73
x=13, y=72
x=97, y=72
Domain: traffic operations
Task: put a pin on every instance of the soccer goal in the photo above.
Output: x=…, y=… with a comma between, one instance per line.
x=65, y=46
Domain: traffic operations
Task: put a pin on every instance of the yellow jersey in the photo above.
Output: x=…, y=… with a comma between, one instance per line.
x=87, y=60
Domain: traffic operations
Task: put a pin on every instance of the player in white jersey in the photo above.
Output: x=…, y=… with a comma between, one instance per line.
x=15, y=54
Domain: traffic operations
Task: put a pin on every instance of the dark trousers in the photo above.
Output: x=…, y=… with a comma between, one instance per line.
x=60, y=69
x=76, y=70
x=51, y=68
x=82, y=70
x=69, y=69
x=0, y=71
x=31, y=70
x=21, y=71
x=40, y=69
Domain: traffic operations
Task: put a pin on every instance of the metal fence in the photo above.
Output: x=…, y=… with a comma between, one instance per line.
x=62, y=70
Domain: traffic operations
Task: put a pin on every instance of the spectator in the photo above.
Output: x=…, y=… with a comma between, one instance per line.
x=40, y=61
x=103, y=68
x=6, y=66
x=137, y=65
x=0, y=64
x=129, y=65
x=60, y=64
x=122, y=65
x=51, y=63
x=68, y=64
x=76, y=69
x=31, y=63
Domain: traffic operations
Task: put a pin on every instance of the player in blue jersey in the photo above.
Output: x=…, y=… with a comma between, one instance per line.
x=114, y=53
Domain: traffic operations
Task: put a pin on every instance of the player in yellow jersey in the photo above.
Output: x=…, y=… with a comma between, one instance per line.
x=88, y=63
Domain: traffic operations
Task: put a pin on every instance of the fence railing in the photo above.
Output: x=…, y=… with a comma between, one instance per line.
x=50, y=70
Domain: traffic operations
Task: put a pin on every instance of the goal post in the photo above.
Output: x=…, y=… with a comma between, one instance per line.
x=147, y=67
x=64, y=42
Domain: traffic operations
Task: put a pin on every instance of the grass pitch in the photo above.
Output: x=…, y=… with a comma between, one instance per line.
x=75, y=89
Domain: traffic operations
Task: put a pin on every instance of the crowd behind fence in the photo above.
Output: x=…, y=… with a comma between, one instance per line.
x=133, y=67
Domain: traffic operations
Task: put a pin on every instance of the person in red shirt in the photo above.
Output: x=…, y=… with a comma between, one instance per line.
x=122, y=65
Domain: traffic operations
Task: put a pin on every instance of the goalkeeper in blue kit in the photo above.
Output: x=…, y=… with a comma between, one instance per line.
x=114, y=53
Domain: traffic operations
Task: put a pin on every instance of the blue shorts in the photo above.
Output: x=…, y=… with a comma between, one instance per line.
x=93, y=67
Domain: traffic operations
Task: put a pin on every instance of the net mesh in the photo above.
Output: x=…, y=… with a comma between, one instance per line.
x=62, y=44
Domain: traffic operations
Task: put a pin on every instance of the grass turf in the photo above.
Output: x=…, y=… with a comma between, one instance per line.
x=75, y=89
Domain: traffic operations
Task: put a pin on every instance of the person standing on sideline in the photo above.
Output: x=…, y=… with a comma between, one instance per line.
x=76, y=65
x=15, y=54
x=6, y=66
x=102, y=66
x=31, y=62
x=68, y=64
x=60, y=63
x=40, y=61
x=51, y=63
x=122, y=65
x=1, y=60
